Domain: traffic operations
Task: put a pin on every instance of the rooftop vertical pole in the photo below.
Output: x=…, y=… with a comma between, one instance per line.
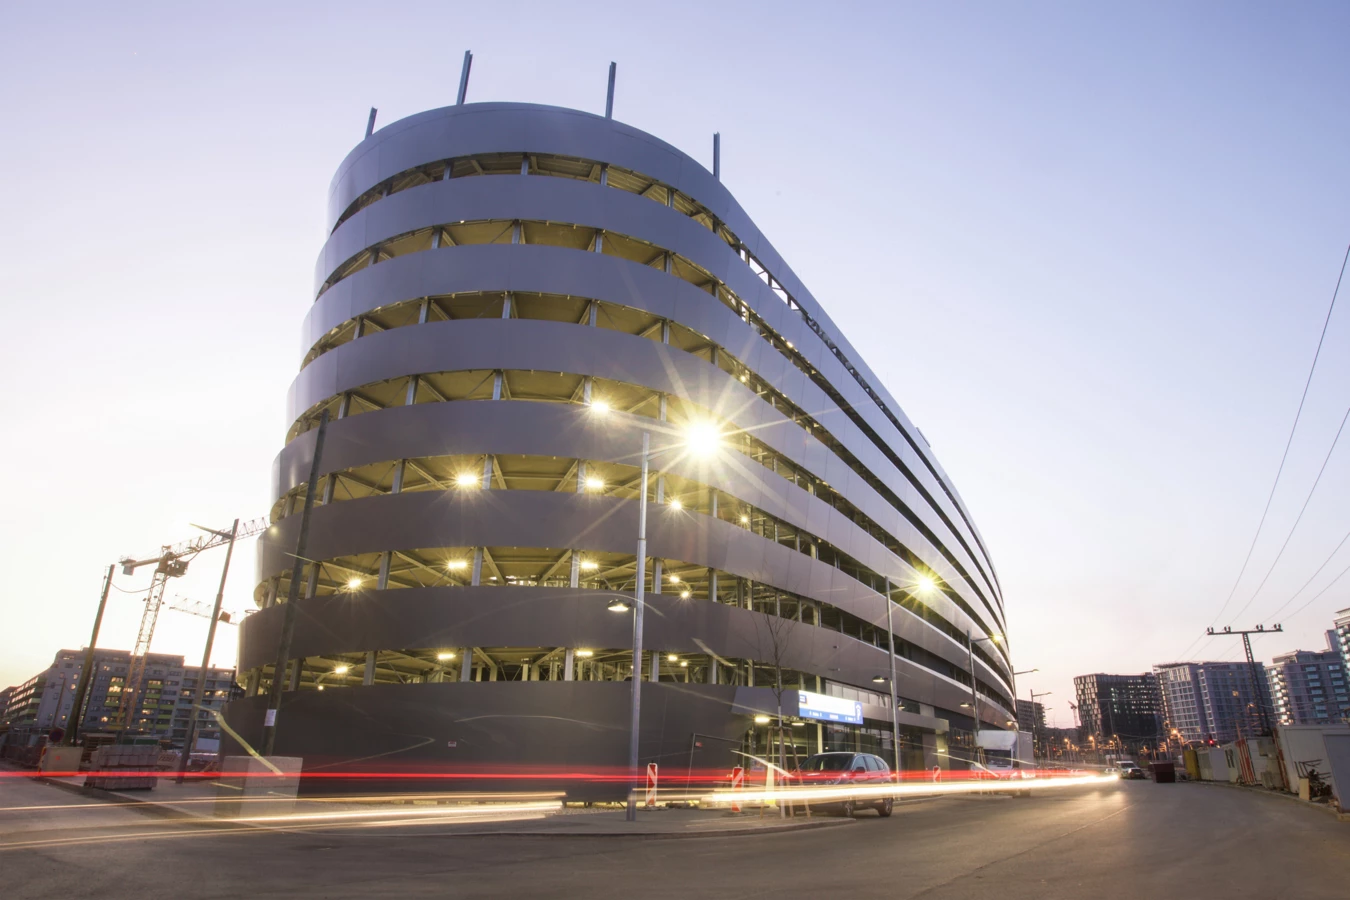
x=609, y=97
x=370, y=123
x=464, y=78
x=717, y=155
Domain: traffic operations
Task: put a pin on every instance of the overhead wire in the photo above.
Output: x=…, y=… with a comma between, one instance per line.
x=1329, y=586
x=1326, y=322
x=1289, y=442
x=1325, y=562
x=1301, y=511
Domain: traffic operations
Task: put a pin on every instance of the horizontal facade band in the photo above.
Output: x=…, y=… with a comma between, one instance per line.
x=863, y=557
x=409, y=522
x=578, y=618
x=562, y=348
x=512, y=427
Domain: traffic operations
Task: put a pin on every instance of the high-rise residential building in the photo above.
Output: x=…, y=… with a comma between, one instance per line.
x=1214, y=700
x=1341, y=627
x=1121, y=709
x=1309, y=687
x=512, y=302
x=5, y=696
x=165, y=700
x=1030, y=716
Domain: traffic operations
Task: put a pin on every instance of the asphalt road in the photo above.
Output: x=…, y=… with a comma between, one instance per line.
x=1131, y=840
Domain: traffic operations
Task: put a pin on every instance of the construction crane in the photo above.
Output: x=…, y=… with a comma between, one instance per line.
x=172, y=562
x=197, y=608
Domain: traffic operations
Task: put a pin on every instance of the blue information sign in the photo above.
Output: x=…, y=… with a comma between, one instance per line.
x=828, y=709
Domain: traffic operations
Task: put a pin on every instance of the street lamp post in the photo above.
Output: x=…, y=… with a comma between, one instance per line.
x=636, y=707
x=895, y=708
x=971, y=641
x=702, y=439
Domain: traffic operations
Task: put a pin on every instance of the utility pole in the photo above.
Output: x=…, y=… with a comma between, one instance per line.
x=269, y=732
x=206, y=656
x=1251, y=666
x=87, y=670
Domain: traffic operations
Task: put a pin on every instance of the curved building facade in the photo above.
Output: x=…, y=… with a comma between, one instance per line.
x=509, y=297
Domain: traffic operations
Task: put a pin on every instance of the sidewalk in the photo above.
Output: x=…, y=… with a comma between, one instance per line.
x=1282, y=795
x=194, y=802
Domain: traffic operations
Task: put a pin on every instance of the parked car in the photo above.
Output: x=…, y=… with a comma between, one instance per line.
x=1130, y=769
x=842, y=767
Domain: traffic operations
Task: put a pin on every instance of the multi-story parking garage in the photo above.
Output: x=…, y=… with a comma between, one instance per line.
x=510, y=296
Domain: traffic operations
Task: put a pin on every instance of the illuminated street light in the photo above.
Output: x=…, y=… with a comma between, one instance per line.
x=585, y=654
x=600, y=407
x=926, y=584
x=703, y=438
x=341, y=670
x=685, y=595
x=444, y=655
x=594, y=484
x=466, y=480
x=354, y=584
x=619, y=606
x=676, y=504
x=761, y=720
x=671, y=657
x=456, y=565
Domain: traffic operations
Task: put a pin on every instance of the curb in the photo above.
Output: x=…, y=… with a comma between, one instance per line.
x=660, y=835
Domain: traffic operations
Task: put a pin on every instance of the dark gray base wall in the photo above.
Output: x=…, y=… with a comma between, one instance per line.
x=495, y=736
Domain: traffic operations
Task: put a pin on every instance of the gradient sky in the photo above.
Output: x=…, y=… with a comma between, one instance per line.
x=1089, y=250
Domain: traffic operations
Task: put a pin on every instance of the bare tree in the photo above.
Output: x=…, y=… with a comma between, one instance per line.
x=776, y=632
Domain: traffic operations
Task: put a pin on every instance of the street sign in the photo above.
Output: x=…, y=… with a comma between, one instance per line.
x=651, y=784
x=737, y=782
x=825, y=708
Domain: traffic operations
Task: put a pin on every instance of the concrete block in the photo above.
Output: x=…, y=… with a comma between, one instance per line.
x=249, y=788
x=60, y=760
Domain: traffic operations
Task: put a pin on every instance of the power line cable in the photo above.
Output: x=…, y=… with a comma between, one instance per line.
x=1288, y=443
x=1324, y=564
x=1301, y=511
x=1329, y=586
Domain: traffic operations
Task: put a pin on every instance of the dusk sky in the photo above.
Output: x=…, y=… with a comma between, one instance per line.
x=1090, y=251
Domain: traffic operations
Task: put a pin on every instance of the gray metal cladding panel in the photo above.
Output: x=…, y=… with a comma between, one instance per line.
x=531, y=197
x=705, y=312
x=553, y=429
x=561, y=520
x=427, y=618
x=526, y=728
x=522, y=267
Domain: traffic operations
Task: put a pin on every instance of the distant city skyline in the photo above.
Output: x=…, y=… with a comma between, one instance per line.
x=1108, y=237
